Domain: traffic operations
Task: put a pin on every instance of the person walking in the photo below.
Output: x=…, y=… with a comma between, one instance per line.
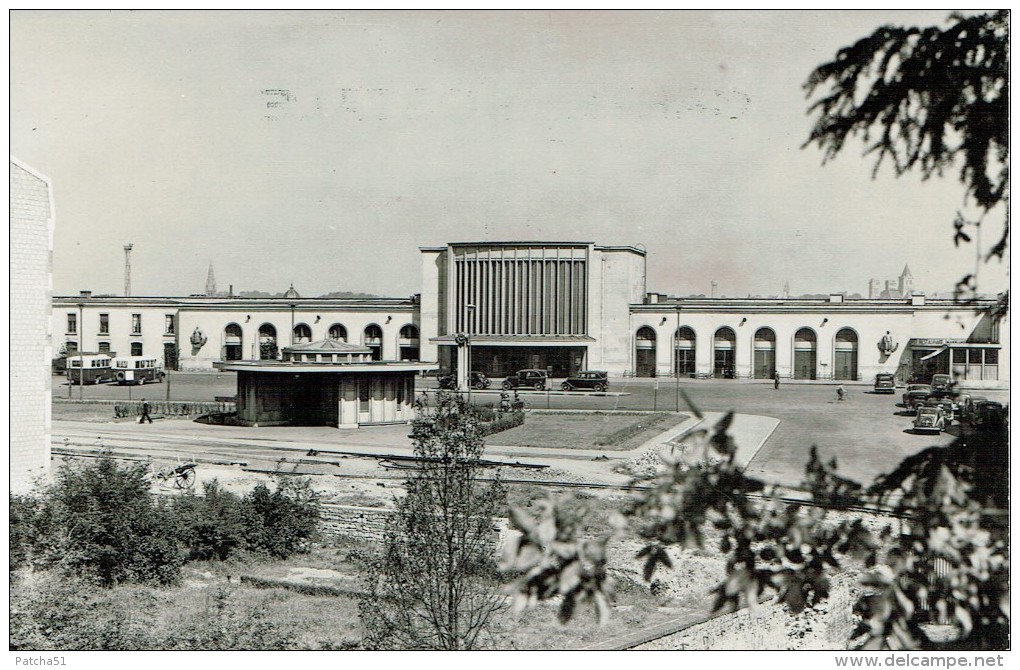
x=840, y=393
x=145, y=413
x=775, y=383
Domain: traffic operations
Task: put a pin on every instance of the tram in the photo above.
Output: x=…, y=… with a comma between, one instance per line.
x=137, y=370
x=88, y=368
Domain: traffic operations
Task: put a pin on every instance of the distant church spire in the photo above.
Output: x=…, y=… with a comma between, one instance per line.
x=210, y=281
x=906, y=282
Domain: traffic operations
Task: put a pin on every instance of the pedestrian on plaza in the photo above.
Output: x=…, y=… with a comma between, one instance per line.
x=145, y=413
x=775, y=377
x=840, y=393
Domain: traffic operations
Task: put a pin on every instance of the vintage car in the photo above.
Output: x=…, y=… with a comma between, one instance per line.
x=916, y=394
x=477, y=380
x=590, y=380
x=966, y=404
x=942, y=385
x=885, y=382
x=982, y=410
x=929, y=420
x=944, y=403
x=535, y=379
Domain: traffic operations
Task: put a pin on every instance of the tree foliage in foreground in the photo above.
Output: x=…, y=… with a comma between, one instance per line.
x=927, y=99
x=942, y=555
x=435, y=586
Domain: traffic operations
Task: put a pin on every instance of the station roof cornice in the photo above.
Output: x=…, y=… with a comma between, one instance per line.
x=806, y=305
x=253, y=304
x=522, y=243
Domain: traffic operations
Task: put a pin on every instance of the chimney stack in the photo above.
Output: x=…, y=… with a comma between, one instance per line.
x=127, y=269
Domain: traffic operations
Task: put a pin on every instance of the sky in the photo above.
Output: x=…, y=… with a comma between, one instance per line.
x=323, y=148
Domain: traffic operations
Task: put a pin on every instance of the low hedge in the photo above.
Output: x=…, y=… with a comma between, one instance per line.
x=505, y=421
x=123, y=410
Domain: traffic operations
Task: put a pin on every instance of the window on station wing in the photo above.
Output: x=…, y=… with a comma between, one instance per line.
x=136, y=348
x=168, y=327
x=338, y=332
x=136, y=325
x=72, y=323
x=104, y=324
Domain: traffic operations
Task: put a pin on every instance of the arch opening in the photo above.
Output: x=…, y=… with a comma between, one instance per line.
x=724, y=346
x=268, y=349
x=805, y=354
x=233, y=337
x=845, y=355
x=764, y=365
x=644, y=352
x=373, y=340
x=684, y=345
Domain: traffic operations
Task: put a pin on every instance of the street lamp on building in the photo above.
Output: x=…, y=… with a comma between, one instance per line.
x=81, y=350
x=470, y=327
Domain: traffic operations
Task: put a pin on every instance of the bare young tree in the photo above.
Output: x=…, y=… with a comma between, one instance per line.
x=434, y=586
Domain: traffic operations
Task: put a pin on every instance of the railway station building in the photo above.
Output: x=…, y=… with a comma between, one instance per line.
x=564, y=307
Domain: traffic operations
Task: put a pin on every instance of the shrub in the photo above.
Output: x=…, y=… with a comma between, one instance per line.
x=281, y=522
x=212, y=526
x=106, y=524
x=28, y=526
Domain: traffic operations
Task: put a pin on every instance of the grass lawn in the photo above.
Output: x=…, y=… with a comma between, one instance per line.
x=613, y=431
x=94, y=412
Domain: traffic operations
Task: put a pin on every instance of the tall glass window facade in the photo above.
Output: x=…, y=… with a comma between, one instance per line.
x=510, y=290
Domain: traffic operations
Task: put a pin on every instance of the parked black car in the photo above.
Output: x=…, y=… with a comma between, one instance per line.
x=885, y=382
x=981, y=410
x=942, y=385
x=916, y=395
x=592, y=380
x=477, y=380
x=535, y=379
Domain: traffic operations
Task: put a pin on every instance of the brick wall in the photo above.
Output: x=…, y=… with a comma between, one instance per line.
x=31, y=288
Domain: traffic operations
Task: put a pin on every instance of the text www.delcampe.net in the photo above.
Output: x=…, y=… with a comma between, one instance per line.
x=896, y=660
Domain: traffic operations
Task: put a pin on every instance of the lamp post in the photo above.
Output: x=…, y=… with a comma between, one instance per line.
x=292, y=306
x=470, y=329
x=676, y=357
x=81, y=350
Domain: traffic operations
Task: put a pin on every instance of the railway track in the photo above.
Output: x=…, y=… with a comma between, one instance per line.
x=271, y=460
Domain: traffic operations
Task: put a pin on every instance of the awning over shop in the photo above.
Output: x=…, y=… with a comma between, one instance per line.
x=935, y=353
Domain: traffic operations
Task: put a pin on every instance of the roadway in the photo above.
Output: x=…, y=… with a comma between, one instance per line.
x=867, y=433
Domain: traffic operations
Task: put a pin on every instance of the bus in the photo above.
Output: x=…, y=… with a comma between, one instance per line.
x=86, y=368
x=137, y=370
